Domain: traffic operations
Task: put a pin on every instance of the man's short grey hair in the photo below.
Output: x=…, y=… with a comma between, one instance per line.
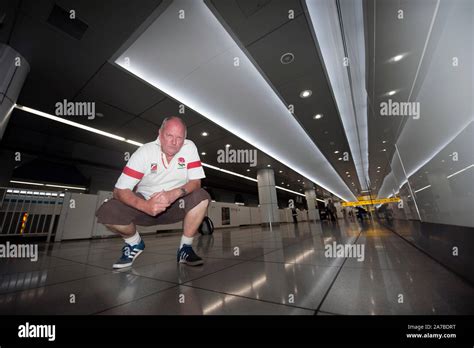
x=163, y=124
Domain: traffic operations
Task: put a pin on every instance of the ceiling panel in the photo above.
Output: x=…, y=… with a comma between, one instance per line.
x=250, y=20
x=168, y=107
x=114, y=86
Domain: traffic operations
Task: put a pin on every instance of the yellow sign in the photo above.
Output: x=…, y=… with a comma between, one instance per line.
x=371, y=201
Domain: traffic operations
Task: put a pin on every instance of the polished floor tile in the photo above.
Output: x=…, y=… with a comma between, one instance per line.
x=91, y=295
x=179, y=273
x=250, y=270
x=38, y=278
x=376, y=291
x=291, y=284
x=294, y=254
x=185, y=300
x=10, y=266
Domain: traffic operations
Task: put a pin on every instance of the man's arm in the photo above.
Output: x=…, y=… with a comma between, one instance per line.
x=129, y=198
x=153, y=206
x=177, y=193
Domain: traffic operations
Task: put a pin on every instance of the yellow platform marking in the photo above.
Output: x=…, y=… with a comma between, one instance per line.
x=371, y=201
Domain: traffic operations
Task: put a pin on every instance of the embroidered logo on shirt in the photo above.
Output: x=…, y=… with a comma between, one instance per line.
x=154, y=167
x=181, y=163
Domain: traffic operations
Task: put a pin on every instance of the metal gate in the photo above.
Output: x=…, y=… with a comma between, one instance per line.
x=26, y=212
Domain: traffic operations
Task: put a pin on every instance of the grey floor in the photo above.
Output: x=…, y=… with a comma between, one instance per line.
x=250, y=270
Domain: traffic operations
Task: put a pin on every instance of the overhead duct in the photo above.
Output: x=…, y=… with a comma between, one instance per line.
x=13, y=71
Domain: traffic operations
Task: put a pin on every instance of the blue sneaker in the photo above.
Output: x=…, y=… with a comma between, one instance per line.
x=129, y=254
x=187, y=255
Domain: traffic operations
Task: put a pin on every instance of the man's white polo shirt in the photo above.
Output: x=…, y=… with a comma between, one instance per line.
x=149, y=169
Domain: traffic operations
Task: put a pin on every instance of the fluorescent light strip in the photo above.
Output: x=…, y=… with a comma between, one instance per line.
x=133, y=142
x=423, y=188
x=67, y=187
x=136, y=143
x=48, y=185
x=246, y=177
x=320, y=200
x=75, y=124
x=285, y=189
x=26, y=183
x=228, y=172
x=460, y=171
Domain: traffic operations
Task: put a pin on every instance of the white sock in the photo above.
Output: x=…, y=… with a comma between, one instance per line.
x=133, y=240
x=186, y=240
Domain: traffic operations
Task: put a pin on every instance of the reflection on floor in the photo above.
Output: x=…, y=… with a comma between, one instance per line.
x=250, y=270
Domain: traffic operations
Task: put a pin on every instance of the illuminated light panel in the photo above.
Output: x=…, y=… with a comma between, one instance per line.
x=352, y=108
x=197, y=59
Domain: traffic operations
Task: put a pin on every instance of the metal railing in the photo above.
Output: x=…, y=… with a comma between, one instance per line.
x=25, y=212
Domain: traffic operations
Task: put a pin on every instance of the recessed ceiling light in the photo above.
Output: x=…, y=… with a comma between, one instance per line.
x=203, y=153
x=378, y=171
x=281, y=171
x=99, y=114
x=348, y=175
x=337, y=151
x=287, y=58
x=384, y=149
x=204, y=134
x=378, y=167
x=347, y=172
x=306, y=93
x=268, y=165
x=397, y=58
x=227, y=145
x=392, y=92
x=298, y=180
x=384, y=141
x=248, y=170
x=340, y=158
x=318, y=116
x=288, y=185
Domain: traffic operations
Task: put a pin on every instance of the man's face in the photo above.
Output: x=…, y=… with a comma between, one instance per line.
x=172, y=137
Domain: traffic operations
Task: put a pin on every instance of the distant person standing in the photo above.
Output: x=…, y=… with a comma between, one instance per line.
x=332, y=210
x=294, y=214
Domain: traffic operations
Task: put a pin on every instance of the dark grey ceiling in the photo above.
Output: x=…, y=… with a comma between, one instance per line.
x=63, y=67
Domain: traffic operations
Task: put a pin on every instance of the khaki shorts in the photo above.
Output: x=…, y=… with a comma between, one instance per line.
x=114, y=212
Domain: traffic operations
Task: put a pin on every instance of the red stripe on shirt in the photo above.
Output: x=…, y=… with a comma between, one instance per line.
x=133, y=173
x=194, y=164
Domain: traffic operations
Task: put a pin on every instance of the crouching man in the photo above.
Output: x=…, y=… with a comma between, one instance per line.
x=161, y=184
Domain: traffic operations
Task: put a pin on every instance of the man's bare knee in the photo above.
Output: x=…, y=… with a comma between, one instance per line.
x=122, y=229
x=202, y=205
